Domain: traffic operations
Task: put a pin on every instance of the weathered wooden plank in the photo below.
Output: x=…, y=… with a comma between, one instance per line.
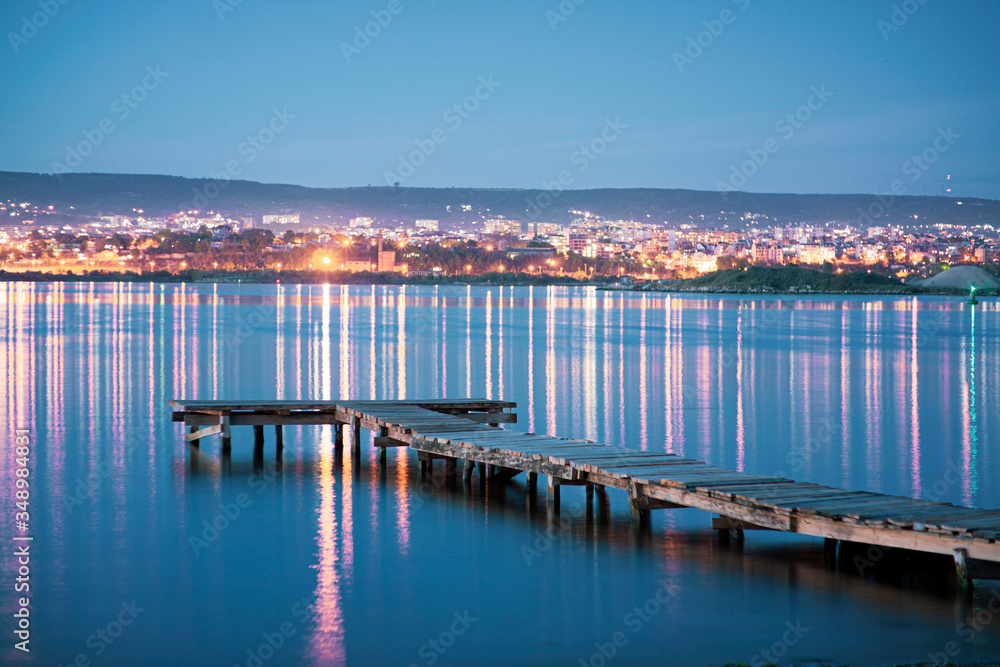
x=970, y=523
x=385, y=441
x=805, y=502
x=748, y=481
x=262, y=419
x=893, y=537
x=765, y=491
x=884, y=509
x=705, y=502
x=776, y=494
x=830, y=500
x=467, y=403
x=727, y=523
x=855, y=509
x=204, y=432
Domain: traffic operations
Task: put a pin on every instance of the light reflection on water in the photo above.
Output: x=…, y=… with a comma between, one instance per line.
x=882, y=395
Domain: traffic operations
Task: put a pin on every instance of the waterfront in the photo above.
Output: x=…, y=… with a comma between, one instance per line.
x=896, y=395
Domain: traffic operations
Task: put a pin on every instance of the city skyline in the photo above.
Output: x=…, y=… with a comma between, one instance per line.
x=438, y=94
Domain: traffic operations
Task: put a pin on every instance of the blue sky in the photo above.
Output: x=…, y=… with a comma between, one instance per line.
x=350, y=119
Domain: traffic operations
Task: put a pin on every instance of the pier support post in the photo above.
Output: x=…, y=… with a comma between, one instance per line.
x=639, y=516
x=483, y=467
x=965, y=585
x=226, y=435
x=638, y=504
x=258, y=447
x=467, y=471
x=338, y=436
x=279, y=439
x=554, y=484
x=356, y=436
x=382, y=456
x=531, y=491
x=590, y=495
x=830, y=549
x=192, y=429
x=531, y=481
x=450, y=471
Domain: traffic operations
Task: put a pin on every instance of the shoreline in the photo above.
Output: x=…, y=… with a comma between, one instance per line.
x=296, y=278
x=492, y=280
x=911, y=291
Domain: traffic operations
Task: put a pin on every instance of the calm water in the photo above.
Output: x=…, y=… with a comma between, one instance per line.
x=336, y=563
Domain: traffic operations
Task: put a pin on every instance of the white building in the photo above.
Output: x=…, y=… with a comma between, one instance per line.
x=287, y=219
x=501, y=226
x=362, y=223
x=427, y=224
x=812, y=253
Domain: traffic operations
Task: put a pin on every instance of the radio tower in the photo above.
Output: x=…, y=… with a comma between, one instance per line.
x=946, y=187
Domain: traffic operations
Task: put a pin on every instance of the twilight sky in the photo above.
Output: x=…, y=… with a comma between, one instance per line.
x=288, y=93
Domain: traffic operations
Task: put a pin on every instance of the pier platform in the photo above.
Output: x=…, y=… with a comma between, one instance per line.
x=468, y=430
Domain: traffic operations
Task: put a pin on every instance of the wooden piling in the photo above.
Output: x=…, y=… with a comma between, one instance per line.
x=467, y=471
x=640, y=516
x=279, y=438
x=962, y=573
x=553, y=490
x=382, y=456
x=226, y=435
x=831, y=547
x=355, y=435
x=531, y=481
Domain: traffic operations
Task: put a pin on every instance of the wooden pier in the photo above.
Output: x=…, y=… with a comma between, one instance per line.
x=466, y=430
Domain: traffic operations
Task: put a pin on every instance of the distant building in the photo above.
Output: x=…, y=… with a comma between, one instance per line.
x=544, y=228
x=502, y=226
x=362, y=223
x=703, y=263
x=814, y=253
x=286, y=219
x=765, y=254
x=578, y=243
x=428, y=224
x=357, y=264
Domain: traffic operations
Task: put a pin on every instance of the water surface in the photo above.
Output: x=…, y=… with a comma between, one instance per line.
x=336, y=562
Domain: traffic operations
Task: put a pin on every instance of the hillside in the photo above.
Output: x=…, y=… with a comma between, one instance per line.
x=105, y=194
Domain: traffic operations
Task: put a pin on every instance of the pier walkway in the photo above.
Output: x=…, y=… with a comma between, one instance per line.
x=466, y=430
